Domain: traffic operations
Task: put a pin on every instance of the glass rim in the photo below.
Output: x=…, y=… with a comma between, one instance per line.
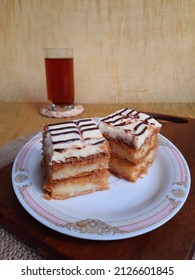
x=58, y=52
x=58, y=49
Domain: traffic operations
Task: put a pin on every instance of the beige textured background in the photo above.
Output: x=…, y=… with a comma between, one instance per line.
x=125, y=50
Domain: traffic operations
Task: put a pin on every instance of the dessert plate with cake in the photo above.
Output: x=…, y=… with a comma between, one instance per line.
x=102, y=179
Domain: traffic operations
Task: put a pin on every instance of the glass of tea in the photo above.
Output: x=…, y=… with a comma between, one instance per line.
x=60, y=78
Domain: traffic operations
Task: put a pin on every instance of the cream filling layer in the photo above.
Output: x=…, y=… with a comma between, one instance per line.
x=69, y=171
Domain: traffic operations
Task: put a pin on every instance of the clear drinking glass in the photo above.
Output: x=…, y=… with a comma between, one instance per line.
x=59, y=68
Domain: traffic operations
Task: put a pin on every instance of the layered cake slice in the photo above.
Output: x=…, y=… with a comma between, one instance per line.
x=133, y=139
x=75, y=159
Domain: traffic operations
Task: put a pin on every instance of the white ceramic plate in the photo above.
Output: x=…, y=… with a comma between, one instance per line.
x=126, y=210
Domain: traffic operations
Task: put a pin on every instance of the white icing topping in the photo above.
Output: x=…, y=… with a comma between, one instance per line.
x=73, y=139
x=130, y=126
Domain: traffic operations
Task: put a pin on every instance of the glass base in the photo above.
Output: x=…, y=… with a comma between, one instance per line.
x=61, y=107
x=61, y=111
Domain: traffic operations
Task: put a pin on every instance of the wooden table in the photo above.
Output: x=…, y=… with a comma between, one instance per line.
x=173, y=240
x=20, y=119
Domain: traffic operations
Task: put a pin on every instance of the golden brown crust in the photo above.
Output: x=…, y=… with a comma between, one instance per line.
x=75, y=162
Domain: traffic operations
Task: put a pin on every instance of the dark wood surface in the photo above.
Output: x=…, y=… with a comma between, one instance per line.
x=174, y=240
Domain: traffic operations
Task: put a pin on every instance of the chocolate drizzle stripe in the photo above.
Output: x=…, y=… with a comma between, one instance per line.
x=110, y=117
x=63, y=128
x=59, y=150
x=65, y=141
x=87, y=124
x=122, y=117
x=130, y=113
x=99, y=142
x=65, y=133
x=122, y=111
x=149, y=118
x=84, y=120
x=141, y=132
x=114, y=121
x=138, y=125
x=89, y=129
x=62, y=123
x=121, y=124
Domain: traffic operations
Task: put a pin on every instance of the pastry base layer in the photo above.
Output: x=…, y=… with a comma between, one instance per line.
x=96, y=181
x=124, y=169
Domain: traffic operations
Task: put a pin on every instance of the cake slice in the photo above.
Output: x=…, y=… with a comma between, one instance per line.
x=133, y=139
x=75, y=159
